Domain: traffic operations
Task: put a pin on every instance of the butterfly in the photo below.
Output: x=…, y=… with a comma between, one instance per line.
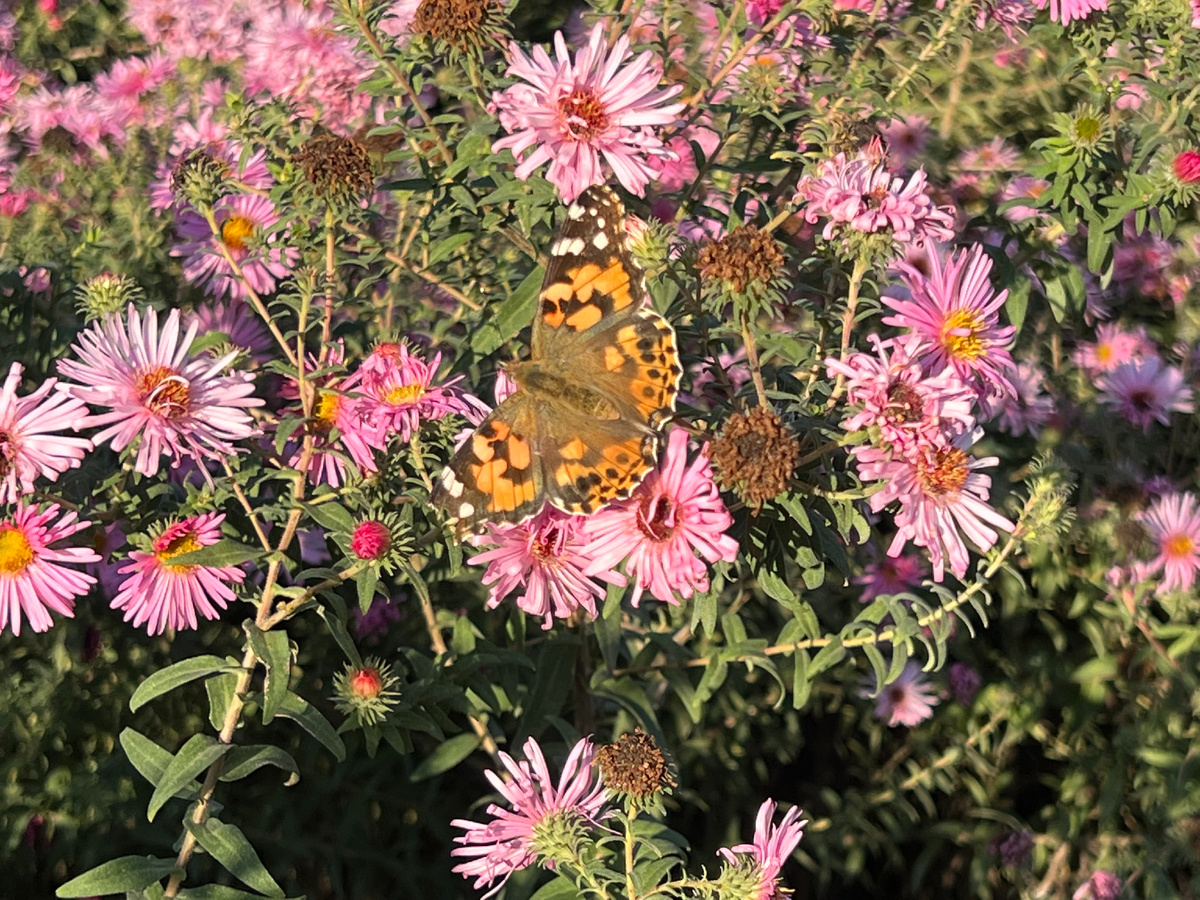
x=583, y=427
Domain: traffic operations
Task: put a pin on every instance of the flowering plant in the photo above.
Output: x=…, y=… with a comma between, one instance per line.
x=906, y=534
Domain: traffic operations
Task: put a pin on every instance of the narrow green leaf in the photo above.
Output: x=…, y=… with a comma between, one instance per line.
x=558, y=889
x=331, y=516
x=366, y=581
x=168, y=679
x=230, y=848
x=303, y=714
x=513, y=314
x=129, y=873
x=551, y=687
x=249, y=758
x=223, y=553
x=151, y=760
x=446, y=757
x=338, y=629
x=801, y=681
x=275, y=651
x=200, y=752
x=220, y=689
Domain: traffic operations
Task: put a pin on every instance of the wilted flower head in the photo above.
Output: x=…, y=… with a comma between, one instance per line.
x=574, y=111
x=634, y=766
x=541, y=813
x=755, y=455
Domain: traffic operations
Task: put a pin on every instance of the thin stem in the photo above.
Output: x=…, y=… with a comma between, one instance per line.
x=752, y=359
x=630, y=888
x=939, y=41
x=856, y=277
x=421, y=273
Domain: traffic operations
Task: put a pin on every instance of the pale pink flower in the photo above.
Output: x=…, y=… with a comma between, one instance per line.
x=956, y=312
x=891, y=391
x=1114, y=347
x=215, y=29
x=575, y=111
x=1100, y=885
x=678, y=171
x=550, y=560
x=670, y=529
x=247, y=232
x=1064, y=11
x=1018, y=188
x=1145, y=391
x=29, y=444
x=905, y=138
x=508, y=843
x=908, y=701
x=239, y=322
x=1029, y=408
x=1173, y=523
x=176, y=405
x=861, y=195
x=891, y=575
x=941, y=493
x=160, y=594
x=32, y=576
x=772, y=846
x=398, y=392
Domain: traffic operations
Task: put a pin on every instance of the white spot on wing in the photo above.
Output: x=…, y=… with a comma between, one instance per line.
x=575, y=212
x=600, y=241
x=575, y=246
x=466, y=511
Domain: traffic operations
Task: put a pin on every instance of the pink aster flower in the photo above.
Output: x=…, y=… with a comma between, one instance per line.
x=399, y=393
x=1065, y=11
x=509, y=842
x=1173, y=523
x=892, y=392
x=575, y=111
x=32, y=576
x=177, y=406
x=247, y=232
x=956, y=312
x=906, y=138
x=239, y=322
x=891, y=575
x=161, y=595
x=547, y=557
x=861, y=195
x=772, y=846
x=668, y=531
x=29, y=444
x=215, y=29
x=941, y=493
x=1100, y=885
x=1113, y=347
x=907, y=701
x=1145, y=390
x=1029, y=408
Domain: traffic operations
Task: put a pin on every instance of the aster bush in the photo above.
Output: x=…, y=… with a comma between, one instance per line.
x=906, y=604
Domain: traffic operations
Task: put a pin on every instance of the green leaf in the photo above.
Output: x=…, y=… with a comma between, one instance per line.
x=248, y=758
x=275, y=651
x=445, y=249
x=338, y=629
x=332, y=516
x=1017, y=304
x=446, y=757
x=216, y=892
x=366, y=581
x=221, y=689
x=801, y=680
x=168, y=679
x=129, y=873
x=151, y=760
x=551, y=687
x=230, y=848
x=513, y=314
x=303, y=714
x=558, y=889
x=223, y=553
x=200, y=752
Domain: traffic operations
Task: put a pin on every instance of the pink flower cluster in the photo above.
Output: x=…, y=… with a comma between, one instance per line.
x=666, y=533
x=861, y=195
x=916, y=397
x=1173, y=524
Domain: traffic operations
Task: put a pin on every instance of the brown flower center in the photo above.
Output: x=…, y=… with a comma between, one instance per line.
x=656, y=518
x=744, y=257
x=164, y=391
x=945, y=475
x=457, y=22
x=634, y=765
x=582, y=114
x=904, y=403
x=336, y=166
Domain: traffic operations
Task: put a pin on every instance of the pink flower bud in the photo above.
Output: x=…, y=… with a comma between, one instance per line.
x=1187, y=166
x=371, y=540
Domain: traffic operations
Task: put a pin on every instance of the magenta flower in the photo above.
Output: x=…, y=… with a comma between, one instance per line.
x=1100, y=885
x=246, y=223
x=940, y=493
x=398, y=392
x=573, y=112
x=1173, y=524
x=907, y=701
x=550, y=559
x=29, y=445
x=1064, y=11
x=1145, y=390
x=236, y=319
x=177, y=406
x=861, y=195
x=508, y=842
x=891, y=575
x=772, y=846
x=161, y=595
x=956, y=312
x=32, y=576
x=892, y=392
x=1028, y=409
x=1114, y=346
x=964, y=683
x=668, y=531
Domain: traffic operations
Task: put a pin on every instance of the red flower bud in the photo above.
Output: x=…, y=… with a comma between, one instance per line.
x=1187, y=166
x=366, y=683
x=371, y=540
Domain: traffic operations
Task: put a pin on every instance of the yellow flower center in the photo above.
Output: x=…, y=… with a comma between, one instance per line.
x=960, y=335
x=1179, y=546
x=235, y=231
x=15, y=552
x=404, y=393
x=325, y=415
x=946, y=474
x=1104, y=353
x=164, y=391
x=582, y=115
x=177, y=546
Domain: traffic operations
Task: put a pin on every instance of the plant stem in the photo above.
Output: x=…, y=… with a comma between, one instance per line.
x=752, y=360
x=856, y=277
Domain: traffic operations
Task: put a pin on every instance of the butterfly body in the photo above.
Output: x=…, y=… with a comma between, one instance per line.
x=583, y=427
